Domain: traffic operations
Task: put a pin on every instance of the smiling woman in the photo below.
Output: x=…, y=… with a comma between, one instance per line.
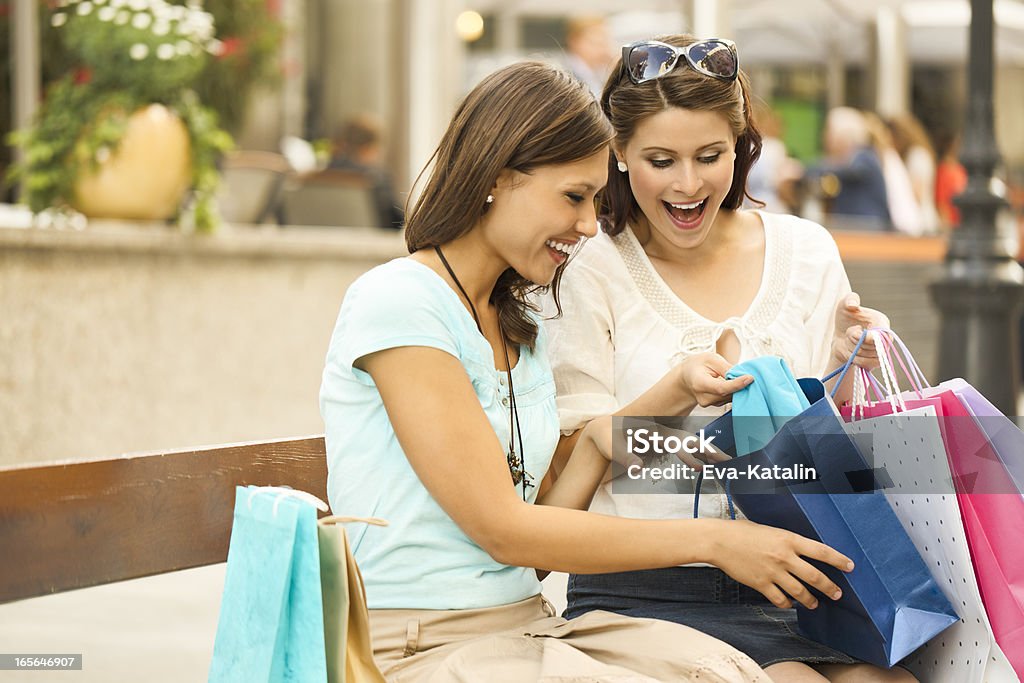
x=440, y=417
x=680, y=285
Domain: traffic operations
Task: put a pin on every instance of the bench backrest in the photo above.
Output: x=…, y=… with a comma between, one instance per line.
x=83, y=524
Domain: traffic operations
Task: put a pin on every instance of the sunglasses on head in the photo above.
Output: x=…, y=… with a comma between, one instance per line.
x=651, y=59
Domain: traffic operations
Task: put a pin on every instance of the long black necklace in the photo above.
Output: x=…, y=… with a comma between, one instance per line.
x=516, y=462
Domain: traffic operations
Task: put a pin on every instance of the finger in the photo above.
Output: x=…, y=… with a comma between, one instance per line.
x=717, y=364
x=828, y=555
x=798, y=591
x=853, y=300
x=776, y=597
x=728, y=387
x=714, y=455
x=690, y=460
x=812, y=576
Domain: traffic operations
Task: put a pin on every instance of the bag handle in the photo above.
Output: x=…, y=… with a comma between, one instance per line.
x=892, y=386
x=287, y=492
x=696, y=497
x=841, y=371
x=341, y=519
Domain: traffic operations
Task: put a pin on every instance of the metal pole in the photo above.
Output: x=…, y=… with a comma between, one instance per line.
x=26, y=79
x=980, y=294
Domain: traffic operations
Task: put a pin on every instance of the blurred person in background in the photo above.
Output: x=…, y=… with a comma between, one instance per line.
x=850, y=176
x=904, y=209
x=358, y=148
x=915, y=148
x=950, y=179
x=773, y=176
x=589, y=53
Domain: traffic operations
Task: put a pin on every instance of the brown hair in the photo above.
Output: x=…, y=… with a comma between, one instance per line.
x=628, y=104
x=520, y=117
x=908, y=132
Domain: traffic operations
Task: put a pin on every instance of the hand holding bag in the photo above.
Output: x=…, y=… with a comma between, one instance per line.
x=890, y=604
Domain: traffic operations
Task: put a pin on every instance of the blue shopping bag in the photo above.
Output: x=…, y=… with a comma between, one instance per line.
x=891, y=604
x=271, y=624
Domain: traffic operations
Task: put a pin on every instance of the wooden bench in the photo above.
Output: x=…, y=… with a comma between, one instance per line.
x=81, y=524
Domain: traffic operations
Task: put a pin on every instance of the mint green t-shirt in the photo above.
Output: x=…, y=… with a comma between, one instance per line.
x=422, y=560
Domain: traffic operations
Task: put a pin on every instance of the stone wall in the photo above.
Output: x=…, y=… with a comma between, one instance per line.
x=134, y=338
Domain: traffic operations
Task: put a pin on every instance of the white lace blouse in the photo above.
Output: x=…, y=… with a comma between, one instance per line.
x=623, y=328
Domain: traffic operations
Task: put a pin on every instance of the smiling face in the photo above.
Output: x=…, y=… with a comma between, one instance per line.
x=538, y=219
x=680, y=170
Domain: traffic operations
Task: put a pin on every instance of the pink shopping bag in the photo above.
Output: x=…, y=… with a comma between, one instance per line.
x=991, y=507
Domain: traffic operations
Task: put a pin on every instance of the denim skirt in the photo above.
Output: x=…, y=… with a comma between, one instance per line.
x=707, y=599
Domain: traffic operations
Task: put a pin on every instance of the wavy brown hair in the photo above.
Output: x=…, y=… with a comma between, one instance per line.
x=628, y=104
x=521, y=117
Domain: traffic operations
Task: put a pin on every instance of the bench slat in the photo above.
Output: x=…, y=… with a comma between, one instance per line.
x=84, y=524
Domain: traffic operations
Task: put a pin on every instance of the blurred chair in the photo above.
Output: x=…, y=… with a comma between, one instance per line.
x=330, y=197
x=251, y=186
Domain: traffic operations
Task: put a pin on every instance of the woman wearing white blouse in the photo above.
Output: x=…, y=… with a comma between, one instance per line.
x=678, y=286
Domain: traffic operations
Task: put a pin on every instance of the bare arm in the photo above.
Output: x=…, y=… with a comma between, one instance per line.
x=454, y=451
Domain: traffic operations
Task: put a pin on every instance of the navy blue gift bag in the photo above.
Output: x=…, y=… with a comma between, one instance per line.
x=891, y=604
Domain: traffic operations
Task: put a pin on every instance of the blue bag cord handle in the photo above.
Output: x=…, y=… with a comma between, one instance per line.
x=849, y=363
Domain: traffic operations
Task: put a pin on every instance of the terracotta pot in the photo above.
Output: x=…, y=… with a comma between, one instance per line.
x=147, y=176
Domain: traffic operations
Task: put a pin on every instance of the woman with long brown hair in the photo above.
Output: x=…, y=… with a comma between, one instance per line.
x=439, y=406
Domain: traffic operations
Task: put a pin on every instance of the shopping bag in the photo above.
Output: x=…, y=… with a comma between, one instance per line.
x=1006, y=437
x=271, y=624
x=346, y=620
x=891, y=604
x=990, y=504
x=923, y=501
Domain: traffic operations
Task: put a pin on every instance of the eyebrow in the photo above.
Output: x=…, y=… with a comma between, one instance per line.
x=672, y=151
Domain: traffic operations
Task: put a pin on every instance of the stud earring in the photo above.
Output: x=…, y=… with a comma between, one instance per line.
x=490, y=199
x=622, y=167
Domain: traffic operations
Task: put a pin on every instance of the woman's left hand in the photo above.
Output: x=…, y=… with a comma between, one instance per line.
x=851, y=321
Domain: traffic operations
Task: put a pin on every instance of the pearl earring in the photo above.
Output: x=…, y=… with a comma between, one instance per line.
x=490, y=199
x=622, y=167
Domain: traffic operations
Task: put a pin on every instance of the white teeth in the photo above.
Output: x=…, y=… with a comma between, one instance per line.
x=561, y=246
x=686, y=206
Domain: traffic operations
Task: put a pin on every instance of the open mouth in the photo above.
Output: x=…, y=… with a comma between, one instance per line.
x=686, y=215
x=560, y=251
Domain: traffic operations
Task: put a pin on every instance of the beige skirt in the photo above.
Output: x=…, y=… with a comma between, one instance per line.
x=524, y=642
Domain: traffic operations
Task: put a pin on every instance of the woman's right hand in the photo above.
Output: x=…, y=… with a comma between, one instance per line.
x=703, y=377
x=774, y=562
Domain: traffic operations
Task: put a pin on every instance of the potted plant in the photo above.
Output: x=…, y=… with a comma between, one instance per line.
x=124, y=135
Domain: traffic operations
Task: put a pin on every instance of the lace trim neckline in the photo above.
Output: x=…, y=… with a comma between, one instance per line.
x=763, y=309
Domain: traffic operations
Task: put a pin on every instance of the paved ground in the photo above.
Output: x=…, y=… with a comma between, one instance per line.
x=160, y=629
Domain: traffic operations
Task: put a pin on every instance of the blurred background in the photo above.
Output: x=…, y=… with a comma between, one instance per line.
x=124, y=332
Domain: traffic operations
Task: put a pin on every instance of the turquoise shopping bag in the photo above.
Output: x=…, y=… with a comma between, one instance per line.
x=271, y=624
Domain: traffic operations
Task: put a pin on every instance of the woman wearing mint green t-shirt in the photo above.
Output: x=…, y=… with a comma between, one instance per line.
x=440, y=417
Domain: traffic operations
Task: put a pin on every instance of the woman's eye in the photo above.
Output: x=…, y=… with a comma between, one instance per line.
x=661, y=163
x=574, y=198
x=709, y=159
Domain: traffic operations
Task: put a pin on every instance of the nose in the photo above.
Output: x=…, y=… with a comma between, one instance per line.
x=688, y=181
x=587, y=224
